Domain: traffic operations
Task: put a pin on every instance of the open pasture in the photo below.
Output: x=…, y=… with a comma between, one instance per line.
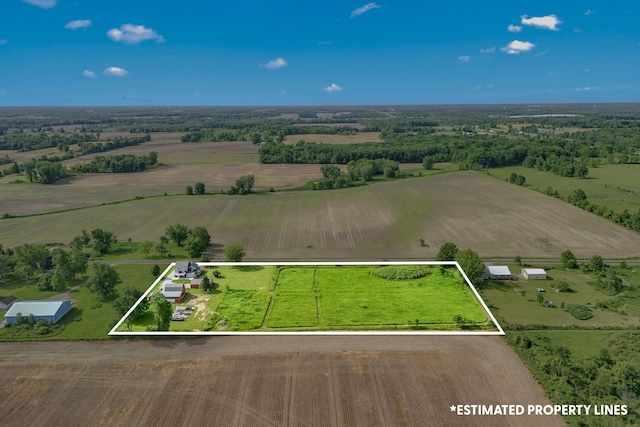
x=266, y=381
x=381, y=221
x=614, y=186
x=358, y=138
x=253, y=298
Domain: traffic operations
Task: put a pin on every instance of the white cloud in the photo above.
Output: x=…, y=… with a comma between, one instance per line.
x=464, y=58
x=325, y=43
x=275, y=64
x=3, y=41
x=78, y=23
x=589, y=12
x=586, y=70
x=115, y=72
x=488, y=50
x=333, y=88
x=367, y=7
x=517, y=46
x=88, y=74
x=586, y=89
x=129, y=33
x=514, y=28
x=45, y=4
x=549, y=22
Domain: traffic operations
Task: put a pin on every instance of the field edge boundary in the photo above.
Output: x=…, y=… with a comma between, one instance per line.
x=114, y=331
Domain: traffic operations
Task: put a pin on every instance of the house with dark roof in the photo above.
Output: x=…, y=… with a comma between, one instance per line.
x=49, y=311
x=6, y=303
x=186, y=269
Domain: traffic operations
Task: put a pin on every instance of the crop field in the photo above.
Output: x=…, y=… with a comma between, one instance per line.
x=300, y=298
x=614, y=186
x=380, y=221
x=266, y=381
x=358, y=138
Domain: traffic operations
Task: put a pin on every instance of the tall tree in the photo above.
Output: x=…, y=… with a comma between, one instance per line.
x=102, y=240
x=234, y=253
x=61, y=262
x=199, y=188
x=471, y=264
x=104, y=279
x=162, y=311
x=29, y=259
x=178, y=233
x=568, y=259
x=126, y=299
x=79, y=263
x=145, y=247
x=447, y=252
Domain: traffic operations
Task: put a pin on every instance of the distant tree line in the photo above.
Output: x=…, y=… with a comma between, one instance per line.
x=358, y=171
x=579, y=198
x=37, y=141
x=117, y=164
x=100, y=147
x=48, y=172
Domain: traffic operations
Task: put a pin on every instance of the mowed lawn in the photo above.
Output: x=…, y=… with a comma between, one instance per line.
x=353, y=296
x=380, y=221
x=614, y=186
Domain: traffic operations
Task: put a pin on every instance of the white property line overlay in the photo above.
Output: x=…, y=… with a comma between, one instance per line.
x=114, y=331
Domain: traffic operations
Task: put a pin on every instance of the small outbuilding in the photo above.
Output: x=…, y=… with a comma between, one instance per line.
x=498, y=272
x=49, y=311
x=195, y=283
x=6, y=303
x=534, y=273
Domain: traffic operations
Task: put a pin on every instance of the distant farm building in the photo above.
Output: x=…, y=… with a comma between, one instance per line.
x=186, y=269
x=49, y=311
x=498, y=272
x=195, y=283
x=6, y=303
x=534, y=274
x=173, y=292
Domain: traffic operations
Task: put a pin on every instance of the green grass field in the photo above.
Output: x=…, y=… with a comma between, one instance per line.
x=614, y=186
x=91, y=318
x=508, y=303
x=328, y=298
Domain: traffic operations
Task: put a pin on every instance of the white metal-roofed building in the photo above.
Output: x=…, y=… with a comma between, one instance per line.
x=49, y=311
x=534, y=273
x=498, y=272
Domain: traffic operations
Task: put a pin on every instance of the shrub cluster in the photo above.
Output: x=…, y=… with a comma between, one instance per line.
x=401, y=272
x=579, y=311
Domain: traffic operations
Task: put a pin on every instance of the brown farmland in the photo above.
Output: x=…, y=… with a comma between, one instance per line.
x=379, y=221
x=266, y=381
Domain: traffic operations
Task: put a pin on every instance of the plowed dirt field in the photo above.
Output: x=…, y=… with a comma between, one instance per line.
x=265, y=381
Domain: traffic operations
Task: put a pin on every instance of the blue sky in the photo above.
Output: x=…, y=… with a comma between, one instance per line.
x=283, y=52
